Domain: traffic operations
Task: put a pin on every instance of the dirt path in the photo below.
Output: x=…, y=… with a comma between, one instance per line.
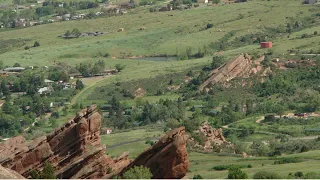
x=260, y=119
x=305, y=138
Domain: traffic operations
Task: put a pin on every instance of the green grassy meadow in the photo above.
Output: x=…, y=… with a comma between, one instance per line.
x=202, y=164
x=165, y=33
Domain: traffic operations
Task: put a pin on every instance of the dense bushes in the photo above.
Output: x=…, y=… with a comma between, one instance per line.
x=236, y=173
x=266, y=175
x=230, y=166
x=287, y=161
x=137, y=172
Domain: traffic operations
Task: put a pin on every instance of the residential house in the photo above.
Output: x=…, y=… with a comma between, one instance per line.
x=106, y=130
x=310, y=1
x=21, y=23
x=127, y=5
x=14, y=69
x=60, y=5
x=202, y=1
x=66, y=17
x=45, y=90
x=47, y=81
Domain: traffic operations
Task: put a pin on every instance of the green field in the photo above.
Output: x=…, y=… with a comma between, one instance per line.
x=135, y=140
x=203, y=163
x=164, y=34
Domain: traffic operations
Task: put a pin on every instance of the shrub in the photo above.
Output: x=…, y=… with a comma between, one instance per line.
x=119, y=67
x=197, y=176
x=230, y=166
x=236, y=173
x=287, y=161
x=137, y=172
x=26, y=48
x=209, y=25
x=36, y=44
x=315, y=33
x=16, y=65
x=151, y=143
x=217, y=61
x=106, y=55
x=298, y=174
x=266, y=175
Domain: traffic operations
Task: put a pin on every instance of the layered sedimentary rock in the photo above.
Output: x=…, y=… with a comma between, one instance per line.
x=74, y=151
x=66, y=149
x=167, y=159
x=9, y=174
x=213, y=139
x=238, y=67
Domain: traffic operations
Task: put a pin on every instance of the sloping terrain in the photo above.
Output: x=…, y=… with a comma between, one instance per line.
x=75, y=152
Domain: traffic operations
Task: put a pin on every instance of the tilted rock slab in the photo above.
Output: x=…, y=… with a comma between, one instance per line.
x=167, y=159
x=75, y=152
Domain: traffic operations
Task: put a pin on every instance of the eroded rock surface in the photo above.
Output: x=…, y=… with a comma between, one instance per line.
x=213, y=139
x=168, y=158
x=241, y=66
x=9, y=174
x=67, y=149
x=75, y=152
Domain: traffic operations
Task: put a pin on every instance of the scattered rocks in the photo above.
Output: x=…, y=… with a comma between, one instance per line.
x=214, y=141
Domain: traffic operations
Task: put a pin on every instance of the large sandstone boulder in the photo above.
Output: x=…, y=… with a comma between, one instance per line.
x=167, y=159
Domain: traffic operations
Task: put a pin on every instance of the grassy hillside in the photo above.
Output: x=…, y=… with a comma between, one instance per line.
x=165, y=33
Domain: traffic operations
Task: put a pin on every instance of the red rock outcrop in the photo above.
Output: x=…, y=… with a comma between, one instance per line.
x=167, y=159
x=75, y=152
x=9, y=174
x=241, y=66
x=213, y=139
x=67, y=149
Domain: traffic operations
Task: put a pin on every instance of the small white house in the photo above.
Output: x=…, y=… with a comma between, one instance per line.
x=106, y=130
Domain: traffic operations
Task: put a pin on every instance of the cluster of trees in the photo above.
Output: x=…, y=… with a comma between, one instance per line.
x=75, y=33
x=51, y=7
x=145, y=113
x=19, y=112
x=188, y=53
x=88, y=69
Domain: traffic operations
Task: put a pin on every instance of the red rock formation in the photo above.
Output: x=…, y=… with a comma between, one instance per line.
x=241, y=66
x=167, y=159
x=9, y=174
x=65, y=148
x=74, y=151
x=213, y=139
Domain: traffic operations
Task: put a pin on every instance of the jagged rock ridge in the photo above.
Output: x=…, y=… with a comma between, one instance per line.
x=74, y=151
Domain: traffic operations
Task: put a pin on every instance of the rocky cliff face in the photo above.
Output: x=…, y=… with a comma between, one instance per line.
x=213, y=139
x=240, y=66
x=9, y=174
x=167, y=159
x=74, y=151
